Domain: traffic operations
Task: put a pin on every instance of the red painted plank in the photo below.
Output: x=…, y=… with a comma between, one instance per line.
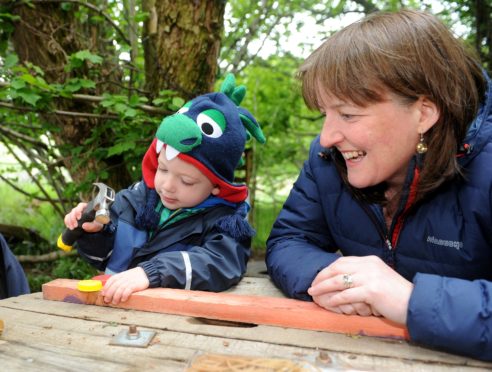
x=282, y=312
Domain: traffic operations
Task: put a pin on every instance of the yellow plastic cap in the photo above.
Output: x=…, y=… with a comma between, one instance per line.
x=63, y=246
x=89, y=285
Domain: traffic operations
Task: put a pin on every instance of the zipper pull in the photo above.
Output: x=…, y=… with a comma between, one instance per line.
x=388, y=244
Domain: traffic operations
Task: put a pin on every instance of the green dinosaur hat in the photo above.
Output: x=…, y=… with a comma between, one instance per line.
x=209, y=132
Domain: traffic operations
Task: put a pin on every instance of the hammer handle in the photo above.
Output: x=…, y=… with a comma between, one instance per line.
x=69, y=237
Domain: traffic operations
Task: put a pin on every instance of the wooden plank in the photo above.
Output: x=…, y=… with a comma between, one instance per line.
x=240, y=308
x=68, y=336
x=64, y=343
x=344, y=346
x=333, y=342
x=72, y=343
x=256, y=286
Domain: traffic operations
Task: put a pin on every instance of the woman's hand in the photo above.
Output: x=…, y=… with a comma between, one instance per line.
x=359, y=308
x=364, y=286
x=72, y=219
x=120, y=286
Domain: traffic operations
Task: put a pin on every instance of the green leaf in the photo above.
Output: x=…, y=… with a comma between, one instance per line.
x=166, y=93
x=141, y=16
x=28, y=79
x=134, y=100
x=120, y=107
x=97, y=19
x=89, y=84
x=106, y=103
x=177, y=103
x=103, y=175
x=17, y=84
x=120, y=148
x=38, y=70
x=11, y=60
x=66, y=6
x=77, y=59
x=36, y=81
x=29, y=97
x=9, y=16
x=158, y=101
x=73, y=85
x=130, y=113
x=86, y=55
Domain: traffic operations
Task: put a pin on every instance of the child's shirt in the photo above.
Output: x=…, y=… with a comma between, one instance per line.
x=168, y=216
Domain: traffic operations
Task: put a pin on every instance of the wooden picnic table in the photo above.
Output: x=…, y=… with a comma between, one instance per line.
x=43, y=335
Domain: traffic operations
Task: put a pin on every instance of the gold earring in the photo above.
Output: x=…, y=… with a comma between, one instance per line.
x=422, y=146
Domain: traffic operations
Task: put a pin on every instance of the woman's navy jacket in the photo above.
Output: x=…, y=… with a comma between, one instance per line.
x=191, y=253
x=444, y=246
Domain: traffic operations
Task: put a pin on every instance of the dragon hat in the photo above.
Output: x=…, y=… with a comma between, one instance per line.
x=209, y=132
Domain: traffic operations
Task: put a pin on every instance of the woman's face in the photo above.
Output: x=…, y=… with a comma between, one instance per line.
x=377, y=141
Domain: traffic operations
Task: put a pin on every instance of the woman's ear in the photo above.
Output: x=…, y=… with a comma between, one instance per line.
x=429, y=114
x=215, y=191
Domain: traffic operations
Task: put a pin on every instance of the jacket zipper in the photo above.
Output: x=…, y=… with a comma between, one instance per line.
x=388, y=252
x=391, y=237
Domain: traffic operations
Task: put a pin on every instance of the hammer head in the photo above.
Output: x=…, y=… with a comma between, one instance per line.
x=102, y=201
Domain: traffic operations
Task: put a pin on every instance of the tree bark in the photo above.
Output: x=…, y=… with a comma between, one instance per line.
x=181, y=45
x=483, y=29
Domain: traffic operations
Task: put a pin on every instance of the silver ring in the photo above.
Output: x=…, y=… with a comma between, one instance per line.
x=347, y=281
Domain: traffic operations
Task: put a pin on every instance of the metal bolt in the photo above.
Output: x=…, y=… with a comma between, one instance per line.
x=132, y=333
x=323, y=357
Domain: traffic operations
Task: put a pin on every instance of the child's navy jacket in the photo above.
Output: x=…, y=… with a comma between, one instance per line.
x=192, y=253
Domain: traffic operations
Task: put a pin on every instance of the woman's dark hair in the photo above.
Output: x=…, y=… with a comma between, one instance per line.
x=410, y=54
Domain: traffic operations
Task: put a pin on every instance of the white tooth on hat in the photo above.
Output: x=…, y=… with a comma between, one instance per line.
x=158, y=146
x=171, y=152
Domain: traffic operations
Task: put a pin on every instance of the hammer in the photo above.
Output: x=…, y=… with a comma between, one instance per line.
x=97, y=209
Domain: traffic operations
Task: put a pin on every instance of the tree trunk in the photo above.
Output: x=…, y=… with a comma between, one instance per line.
x=483, y=28
x=45, y=36
x=181, y=44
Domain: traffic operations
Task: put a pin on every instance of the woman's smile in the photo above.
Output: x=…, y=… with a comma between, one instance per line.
x=353, y=155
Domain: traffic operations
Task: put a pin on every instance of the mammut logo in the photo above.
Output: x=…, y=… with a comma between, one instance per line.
x=445, y=243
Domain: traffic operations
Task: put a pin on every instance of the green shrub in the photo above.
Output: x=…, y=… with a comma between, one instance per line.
x=19, y=210
x=265, y=214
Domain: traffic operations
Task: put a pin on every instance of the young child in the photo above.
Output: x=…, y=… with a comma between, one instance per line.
x=184, y=225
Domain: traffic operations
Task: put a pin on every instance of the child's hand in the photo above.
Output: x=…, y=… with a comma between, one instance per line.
x=72, y=218
x=120, y=286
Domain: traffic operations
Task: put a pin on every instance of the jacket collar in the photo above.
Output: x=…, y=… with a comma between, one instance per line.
x=480, y=130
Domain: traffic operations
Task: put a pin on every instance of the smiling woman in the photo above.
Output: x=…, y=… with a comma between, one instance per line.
x=392, y=184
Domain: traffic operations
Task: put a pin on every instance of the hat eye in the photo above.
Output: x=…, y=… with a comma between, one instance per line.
x=211, y=127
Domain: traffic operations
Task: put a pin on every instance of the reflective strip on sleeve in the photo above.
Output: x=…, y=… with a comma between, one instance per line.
x=189, y=270
x=101, y=259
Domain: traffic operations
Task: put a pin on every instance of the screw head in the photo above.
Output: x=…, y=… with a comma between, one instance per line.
x=132, y=333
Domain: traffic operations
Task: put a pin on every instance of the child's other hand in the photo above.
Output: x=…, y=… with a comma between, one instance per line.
x=72, y=218
x=120, y=286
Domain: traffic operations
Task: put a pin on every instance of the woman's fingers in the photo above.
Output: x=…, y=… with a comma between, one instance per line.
x=338, y=282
